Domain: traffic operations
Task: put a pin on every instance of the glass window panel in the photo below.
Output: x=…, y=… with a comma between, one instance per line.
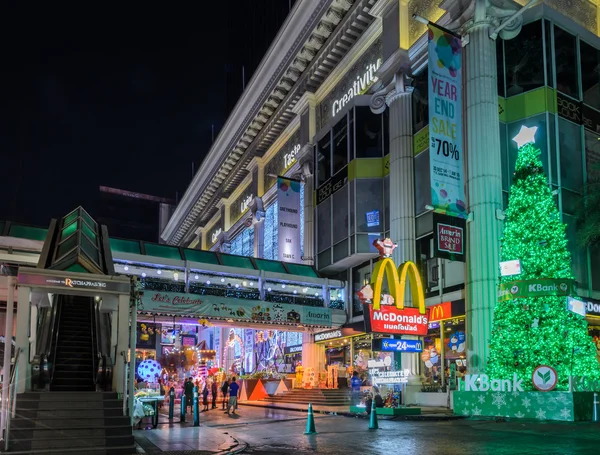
x=207, y=257
x=162, y=251
x=270, y=245
x=386, y=132
x=590, y=74
x=89, y=232
x=552, y=149
x=422, y=184
x=324, y=160
x=67, y=246
x=595, y=263
x=500, y=66
x=302, y=219
x=88, y=219
x=361, y=276
x=70, y=217
x=571, y=166
x=369, y=198
x=420, y=100
x=351, y=122
x=340, y=145
x=324, y=259
x=340, y=214
x=386, y=199
x=504, y=157
x=125, y=246
x=570, y=201
x=352, y=187
x=566, y=62
x=324, y=225
x=548, y=49
x=340, y=251
x=578, y=254
x=592, y=150
x=90, y=250
x=369, y=133
x=67, y=231
x=524, y=59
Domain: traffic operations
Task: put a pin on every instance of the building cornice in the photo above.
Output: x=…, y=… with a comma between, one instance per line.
x=307, y=100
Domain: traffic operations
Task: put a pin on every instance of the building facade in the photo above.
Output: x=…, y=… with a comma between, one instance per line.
x=341, y=102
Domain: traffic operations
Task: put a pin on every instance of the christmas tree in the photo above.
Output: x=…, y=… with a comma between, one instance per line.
x=537, y=330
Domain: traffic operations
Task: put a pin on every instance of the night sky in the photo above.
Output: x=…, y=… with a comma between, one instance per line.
x=118, y=98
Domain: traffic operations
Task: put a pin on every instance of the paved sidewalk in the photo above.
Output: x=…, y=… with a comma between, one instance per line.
x=181, y=438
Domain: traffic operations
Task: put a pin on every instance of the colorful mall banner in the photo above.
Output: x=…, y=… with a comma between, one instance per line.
x=445, y=122
x=288, y=198
x=538, y=287
x=223, y=308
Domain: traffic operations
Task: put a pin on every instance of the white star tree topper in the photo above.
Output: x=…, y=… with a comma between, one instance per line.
x=526, y=136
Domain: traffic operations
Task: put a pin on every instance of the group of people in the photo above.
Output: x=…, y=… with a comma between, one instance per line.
x=229, y=388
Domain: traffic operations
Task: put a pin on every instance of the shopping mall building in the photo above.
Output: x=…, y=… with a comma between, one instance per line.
x=340, y=103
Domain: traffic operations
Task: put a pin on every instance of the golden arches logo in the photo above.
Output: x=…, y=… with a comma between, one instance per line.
x=397, y=283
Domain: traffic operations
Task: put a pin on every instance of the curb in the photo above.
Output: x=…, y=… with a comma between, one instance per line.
x=422, y=417
x=239, y=447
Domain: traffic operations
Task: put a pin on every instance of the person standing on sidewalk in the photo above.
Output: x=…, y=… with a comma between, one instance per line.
x=188, y=389
x=224, y=390
x=234, y=389
x=213, y=391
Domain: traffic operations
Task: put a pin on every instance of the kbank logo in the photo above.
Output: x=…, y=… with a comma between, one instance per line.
x=482, y=383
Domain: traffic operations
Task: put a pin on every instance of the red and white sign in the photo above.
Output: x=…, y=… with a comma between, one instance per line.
x=450, y=238
x=389, y=319
x=440, y=311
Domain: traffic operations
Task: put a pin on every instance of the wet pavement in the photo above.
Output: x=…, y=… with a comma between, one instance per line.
x=273, y=431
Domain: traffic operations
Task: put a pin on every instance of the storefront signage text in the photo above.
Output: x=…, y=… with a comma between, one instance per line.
x=292, y=349
x=440, y=311
x=27, y=279
x=212, y=307
x=215, y=235
x=535, y=288
x=482, y=383
x=380, y=377
x=332, y=185
x=328, y=335
x=290, y=158
x=288, y=197
x=449, y=241
x=402, y=345
x=577, y=112
x=359, y=86
x=593, y=308
x=445, y=122
x=389, y=319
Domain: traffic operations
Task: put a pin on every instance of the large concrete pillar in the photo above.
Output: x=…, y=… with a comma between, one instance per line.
x=121, y=326
x=313, y=355
x=309, y=208
x=22, y=339
x=484, y=182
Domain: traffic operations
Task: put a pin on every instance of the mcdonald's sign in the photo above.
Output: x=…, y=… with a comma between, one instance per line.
x=396, y=319
x=440, y=311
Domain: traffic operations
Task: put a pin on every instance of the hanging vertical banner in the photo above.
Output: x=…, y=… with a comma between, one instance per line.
x=288, y=198
x=445, y=122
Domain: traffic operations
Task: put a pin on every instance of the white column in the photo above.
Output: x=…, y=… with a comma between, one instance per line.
x=10, y=303
x=484, y=187
x=22, y=339
x=259, y=237
x=120, y=325
x=402, y=176
x=313, y=355
x=309, y=209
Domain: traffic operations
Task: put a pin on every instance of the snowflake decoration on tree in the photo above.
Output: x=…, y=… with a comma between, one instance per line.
x=515, y=393
x=481, y=399
x=466, y=412
x=565, y=413
x=526, y=402
x=561, y=397
x=498, y=400
x=476, y=411
x=540, y=414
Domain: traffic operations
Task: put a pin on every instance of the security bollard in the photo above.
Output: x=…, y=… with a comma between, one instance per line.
x=595, y=416
x=183, y=406
x=373, y=424
x=171, y=402
x=196, y=410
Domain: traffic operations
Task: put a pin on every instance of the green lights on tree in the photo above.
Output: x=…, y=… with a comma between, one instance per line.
x=533, y=331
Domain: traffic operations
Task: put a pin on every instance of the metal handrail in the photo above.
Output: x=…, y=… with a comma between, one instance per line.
x=57, y=323
x=94, y=333
x=10, y=406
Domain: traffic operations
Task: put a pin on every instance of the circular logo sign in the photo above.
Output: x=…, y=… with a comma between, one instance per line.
x=544, y=378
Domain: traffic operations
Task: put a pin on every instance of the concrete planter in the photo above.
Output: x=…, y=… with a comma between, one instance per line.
x=438, y=399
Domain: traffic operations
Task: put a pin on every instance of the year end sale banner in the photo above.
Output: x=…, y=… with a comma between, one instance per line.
x=445, y=122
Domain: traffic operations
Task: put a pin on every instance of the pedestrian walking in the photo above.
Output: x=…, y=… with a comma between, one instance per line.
x=205, y=397
x=188, y=390
x=213, y=391
x=224, y=390
x=234, y=389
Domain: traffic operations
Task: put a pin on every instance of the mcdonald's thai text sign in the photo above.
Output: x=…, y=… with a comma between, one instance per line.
x=389, y=319
x=440, y=311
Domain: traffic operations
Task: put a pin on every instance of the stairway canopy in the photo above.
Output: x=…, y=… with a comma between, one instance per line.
x=77, y=243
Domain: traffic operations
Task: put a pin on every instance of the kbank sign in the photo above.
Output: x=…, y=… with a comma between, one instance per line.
x=536, y=288
x=482, y=383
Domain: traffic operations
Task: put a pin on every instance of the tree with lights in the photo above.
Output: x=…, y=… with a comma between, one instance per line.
x=537, y=330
